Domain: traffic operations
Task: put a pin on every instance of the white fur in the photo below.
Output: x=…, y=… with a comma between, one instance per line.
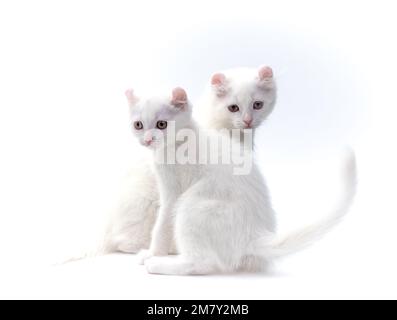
x=221, y=222
x=131, y=224
x=242, y=88
x=133, y=220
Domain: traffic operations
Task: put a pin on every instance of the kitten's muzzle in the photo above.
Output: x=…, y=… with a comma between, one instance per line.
x=148, y=142
x=248, y=124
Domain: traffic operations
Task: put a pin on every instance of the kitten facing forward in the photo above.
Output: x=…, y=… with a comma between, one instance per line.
x=233, y=99
x=240, y=98
x=221, y=222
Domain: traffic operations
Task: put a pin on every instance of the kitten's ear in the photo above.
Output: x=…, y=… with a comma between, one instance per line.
x=131, y=97
x=219, y=84
x=265, y=73
x=265, y=78
x=179, y=98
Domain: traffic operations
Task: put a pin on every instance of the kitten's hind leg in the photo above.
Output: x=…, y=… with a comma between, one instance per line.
x=178, y=266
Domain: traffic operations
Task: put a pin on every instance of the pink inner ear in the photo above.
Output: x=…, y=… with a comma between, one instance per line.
x=179, y=96
x=218, y=79
x=129, y=93
x=265, y=73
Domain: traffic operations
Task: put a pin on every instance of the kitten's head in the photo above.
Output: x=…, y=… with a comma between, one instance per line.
x=153, y=118
x=240, y=98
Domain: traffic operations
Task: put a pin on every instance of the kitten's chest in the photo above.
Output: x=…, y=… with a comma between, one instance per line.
x=178, y=177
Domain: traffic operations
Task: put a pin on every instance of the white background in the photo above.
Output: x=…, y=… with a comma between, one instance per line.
x=65, y=141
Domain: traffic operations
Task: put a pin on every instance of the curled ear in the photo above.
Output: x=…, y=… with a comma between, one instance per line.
x=266, y=78
x=179, y=98
x=132, y=99
x=265, y=73
x=219, y=84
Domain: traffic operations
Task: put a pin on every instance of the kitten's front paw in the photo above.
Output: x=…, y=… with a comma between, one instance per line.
x=143, y=255
x=152, y=265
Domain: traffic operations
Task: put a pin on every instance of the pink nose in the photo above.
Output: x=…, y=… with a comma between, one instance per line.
x=248, y=122
x=148, y=142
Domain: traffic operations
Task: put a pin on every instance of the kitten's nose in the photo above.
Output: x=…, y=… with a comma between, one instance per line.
x=148, y=142
x=248, y=122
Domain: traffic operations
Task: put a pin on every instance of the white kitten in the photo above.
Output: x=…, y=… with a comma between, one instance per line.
x=233, y=99
x=237, y=99
x=221, y=222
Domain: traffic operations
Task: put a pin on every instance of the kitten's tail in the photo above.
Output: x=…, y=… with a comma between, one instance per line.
x=282, y=245
x=102, y=249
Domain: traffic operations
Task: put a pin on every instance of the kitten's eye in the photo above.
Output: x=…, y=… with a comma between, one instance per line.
x=138, y=125
x=162, y=125
x=233, y=108
x=258, y=105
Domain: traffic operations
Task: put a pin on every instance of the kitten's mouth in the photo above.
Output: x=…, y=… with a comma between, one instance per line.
x=148, y=144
